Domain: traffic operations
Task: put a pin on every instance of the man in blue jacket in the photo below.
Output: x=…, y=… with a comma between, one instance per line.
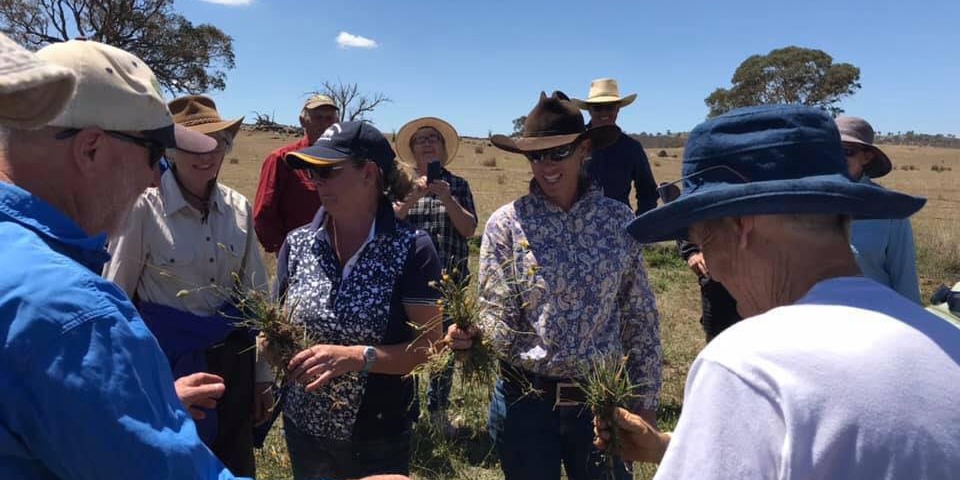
x=87, y=391
x=624, y=162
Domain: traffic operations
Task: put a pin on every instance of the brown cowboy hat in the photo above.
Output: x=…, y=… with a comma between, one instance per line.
x=199, y=113
x=604, y=91
x=857, y=130
x=451, y=140
x=555, y=122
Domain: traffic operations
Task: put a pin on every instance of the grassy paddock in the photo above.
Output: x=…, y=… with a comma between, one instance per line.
x=497, y=177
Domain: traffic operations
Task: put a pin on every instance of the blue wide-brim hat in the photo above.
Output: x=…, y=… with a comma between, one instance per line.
x=767, y=160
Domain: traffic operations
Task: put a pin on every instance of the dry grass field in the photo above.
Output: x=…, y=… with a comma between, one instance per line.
x=497, y=177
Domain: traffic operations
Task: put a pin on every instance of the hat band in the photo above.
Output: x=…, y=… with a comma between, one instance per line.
x=549, y=133
x=201, y=121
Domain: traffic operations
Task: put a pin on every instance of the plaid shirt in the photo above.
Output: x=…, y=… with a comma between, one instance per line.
x=429, y=215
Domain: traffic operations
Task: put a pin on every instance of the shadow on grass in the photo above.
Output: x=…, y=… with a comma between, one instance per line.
x=438, y=457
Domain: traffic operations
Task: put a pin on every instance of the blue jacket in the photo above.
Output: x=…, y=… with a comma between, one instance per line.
x=87, y=392
x=618, y=166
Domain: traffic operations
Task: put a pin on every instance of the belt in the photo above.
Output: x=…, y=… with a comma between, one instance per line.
x=564, y=392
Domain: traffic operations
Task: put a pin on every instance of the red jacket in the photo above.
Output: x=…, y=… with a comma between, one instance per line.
x=286, y=198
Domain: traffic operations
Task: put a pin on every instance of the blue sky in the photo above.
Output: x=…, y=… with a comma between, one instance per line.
x=481, y=64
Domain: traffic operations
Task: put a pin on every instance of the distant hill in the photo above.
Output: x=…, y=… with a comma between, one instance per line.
x=920, y=140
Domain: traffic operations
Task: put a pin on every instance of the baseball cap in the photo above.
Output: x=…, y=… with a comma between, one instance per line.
x=118, y=91
x=317, y=101
x=343, y=141
x=32, y=91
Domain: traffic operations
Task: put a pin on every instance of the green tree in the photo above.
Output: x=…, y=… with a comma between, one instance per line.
x=788, y=75
x=518, y=125
x=185, y=57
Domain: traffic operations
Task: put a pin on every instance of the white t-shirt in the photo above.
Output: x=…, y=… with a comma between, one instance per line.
x=851, y=382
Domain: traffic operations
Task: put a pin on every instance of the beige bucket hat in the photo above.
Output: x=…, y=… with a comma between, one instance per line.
x=604, y=90
x=451, y=139
x=32, y=92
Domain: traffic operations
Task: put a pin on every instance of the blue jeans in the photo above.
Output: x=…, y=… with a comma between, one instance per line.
x=326, y=459
x=533, y=438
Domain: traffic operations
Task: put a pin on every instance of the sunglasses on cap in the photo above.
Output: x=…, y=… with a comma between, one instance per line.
x=154, y=148
x=669, y=191
x=556, y=155
x=323, y=173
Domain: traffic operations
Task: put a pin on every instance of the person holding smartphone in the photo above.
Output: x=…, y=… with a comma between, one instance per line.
x=440, y=204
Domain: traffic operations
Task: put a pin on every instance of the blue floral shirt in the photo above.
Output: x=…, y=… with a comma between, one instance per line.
x=560, y=289
x=361, y=307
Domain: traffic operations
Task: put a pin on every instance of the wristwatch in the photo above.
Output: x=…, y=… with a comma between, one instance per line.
x=369, y=358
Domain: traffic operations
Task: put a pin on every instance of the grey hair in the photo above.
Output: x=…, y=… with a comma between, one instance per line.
x=818, y=224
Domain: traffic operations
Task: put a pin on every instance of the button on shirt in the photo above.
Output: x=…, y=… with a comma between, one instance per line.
x=558, y=289
x=87, y=393
x=168, y=254
x=430, y=215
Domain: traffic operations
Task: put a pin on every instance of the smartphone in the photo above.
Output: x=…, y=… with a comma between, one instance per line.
x=433, y=171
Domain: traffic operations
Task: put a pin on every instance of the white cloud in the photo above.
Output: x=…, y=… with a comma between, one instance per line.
x=232, y=3
x=349, y=40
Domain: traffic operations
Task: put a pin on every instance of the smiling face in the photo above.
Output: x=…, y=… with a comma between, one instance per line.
x=199, y=169
x=602, y=114
x=557, y=171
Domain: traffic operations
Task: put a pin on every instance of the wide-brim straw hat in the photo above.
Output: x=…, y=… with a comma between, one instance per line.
x=554, y=122
x=604, y=91
x=767, y=160
x=451, y=139
x=199, y=113
x=857, y=130
x=32, y=91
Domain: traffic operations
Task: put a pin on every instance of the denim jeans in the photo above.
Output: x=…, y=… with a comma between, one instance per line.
x=326, y=459
x=533, y=438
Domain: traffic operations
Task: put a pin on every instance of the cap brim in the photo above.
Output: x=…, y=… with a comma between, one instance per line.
x=825, y=194
x=315, y=156
x=182, y=138
x=451, y=138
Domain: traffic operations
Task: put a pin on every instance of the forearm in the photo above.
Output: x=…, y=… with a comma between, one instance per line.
x=463, y=220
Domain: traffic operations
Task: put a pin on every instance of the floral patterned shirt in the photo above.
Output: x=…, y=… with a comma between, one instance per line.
x=560, y=289
x=363, y=307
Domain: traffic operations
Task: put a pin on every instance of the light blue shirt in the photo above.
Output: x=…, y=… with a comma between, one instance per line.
x=87, y=393
x=885, y=251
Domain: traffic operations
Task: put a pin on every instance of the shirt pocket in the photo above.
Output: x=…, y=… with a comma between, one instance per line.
x=179, y=263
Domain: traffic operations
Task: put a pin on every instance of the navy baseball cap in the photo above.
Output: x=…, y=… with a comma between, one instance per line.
x=345, y=141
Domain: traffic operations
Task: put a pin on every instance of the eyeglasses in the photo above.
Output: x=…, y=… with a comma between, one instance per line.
x=668, y=191
x=851, y=151
x=424, y=139
x=556, y=155
x=154, y=148
x=323, y=173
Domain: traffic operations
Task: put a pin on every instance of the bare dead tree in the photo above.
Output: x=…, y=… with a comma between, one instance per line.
x=353, y=104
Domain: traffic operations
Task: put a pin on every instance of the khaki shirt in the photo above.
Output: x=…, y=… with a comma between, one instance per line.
x=168, y=254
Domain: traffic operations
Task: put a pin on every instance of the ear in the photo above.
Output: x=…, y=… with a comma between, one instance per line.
x=87, y=148
x=743, y=227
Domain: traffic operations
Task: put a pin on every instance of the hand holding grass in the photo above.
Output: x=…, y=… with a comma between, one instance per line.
x=638, y=440
x=460, y=338
x=314, y=367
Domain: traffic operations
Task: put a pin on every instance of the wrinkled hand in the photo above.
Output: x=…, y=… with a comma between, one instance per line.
x=639, y=441
x=441, y=189
x=199, y=390
x=262, y=402
x=698, y=265
x=460, y=339
x=317, y=365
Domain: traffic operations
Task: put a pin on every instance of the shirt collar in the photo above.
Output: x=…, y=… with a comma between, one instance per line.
x=22, y=207
x=587, y=197
x=172, y=196
x=385, y=221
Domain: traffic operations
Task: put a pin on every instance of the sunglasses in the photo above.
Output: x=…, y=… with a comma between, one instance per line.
x=605, y=107
x=556, y=155
x=323, y=173
x=154, y=148
x=851, y=151
x=669, y=191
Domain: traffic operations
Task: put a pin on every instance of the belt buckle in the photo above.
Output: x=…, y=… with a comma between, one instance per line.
x=562, y=401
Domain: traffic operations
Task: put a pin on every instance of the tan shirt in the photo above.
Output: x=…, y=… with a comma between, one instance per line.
x=167, y=254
